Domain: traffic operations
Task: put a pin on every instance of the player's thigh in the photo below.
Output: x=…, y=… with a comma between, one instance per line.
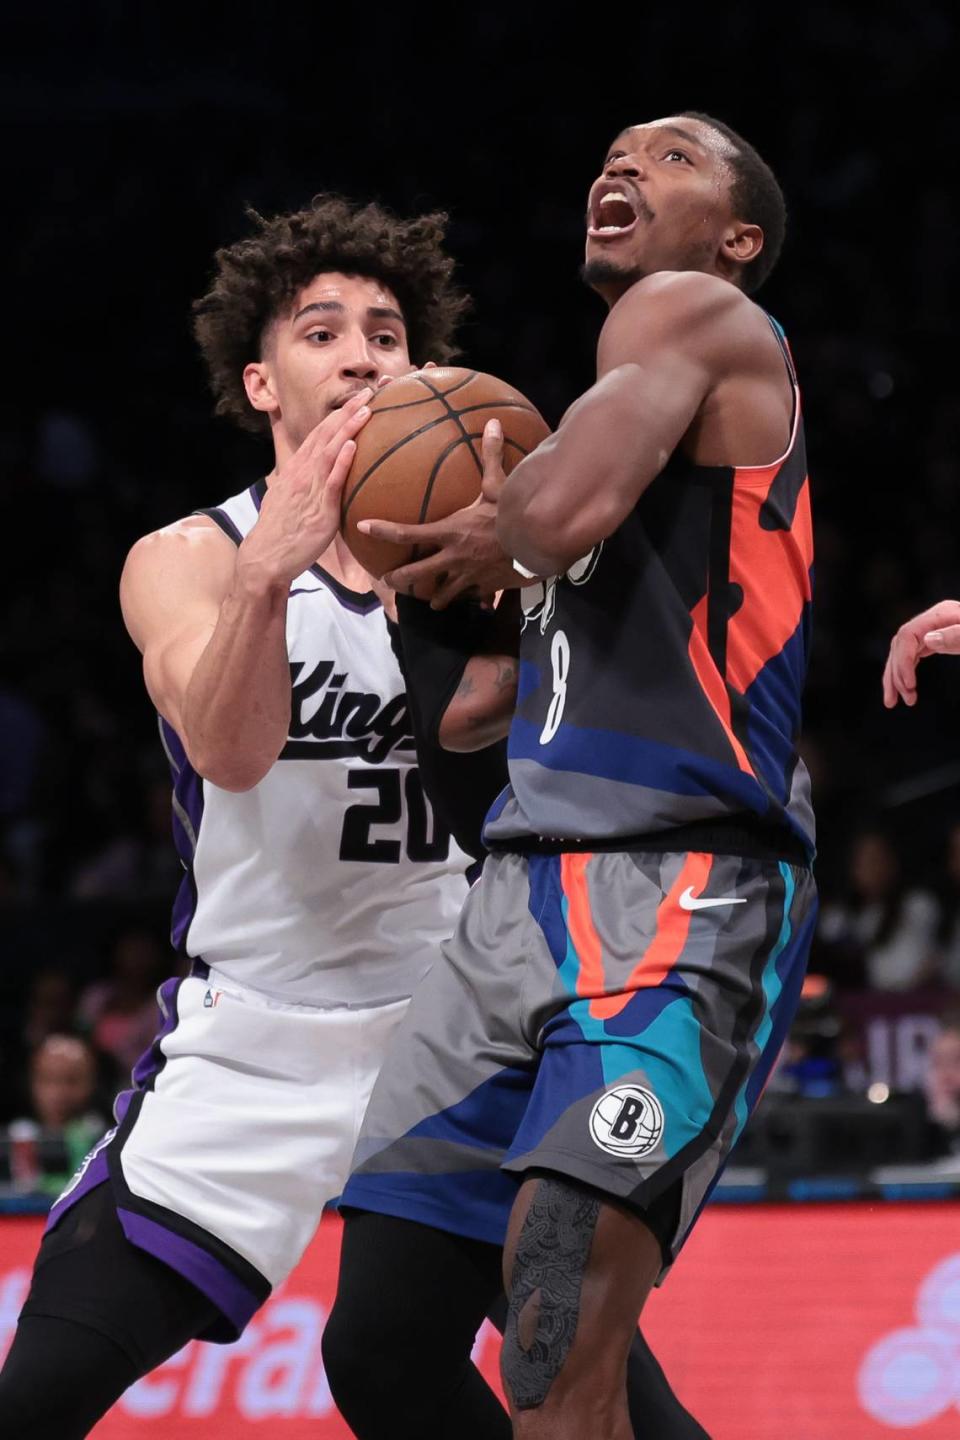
x=457, y=1078
x=88, y=1273
x=655, y=1055
x=578, y=1270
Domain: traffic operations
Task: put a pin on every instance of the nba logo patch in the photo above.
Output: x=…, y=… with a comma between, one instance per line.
x=627, y=1120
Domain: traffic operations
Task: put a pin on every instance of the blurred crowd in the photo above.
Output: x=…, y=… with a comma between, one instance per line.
x=108, y=434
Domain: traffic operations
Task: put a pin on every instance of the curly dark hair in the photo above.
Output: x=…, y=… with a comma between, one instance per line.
x=258, y=278
x=756, y=197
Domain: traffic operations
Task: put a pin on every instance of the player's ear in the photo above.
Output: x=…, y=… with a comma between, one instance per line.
x=740, y=244
x=258, y=383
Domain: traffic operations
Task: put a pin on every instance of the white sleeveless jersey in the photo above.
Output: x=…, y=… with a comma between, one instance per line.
x=330, y=881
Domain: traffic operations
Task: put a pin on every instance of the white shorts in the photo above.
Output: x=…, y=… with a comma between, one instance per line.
x=241, y=1126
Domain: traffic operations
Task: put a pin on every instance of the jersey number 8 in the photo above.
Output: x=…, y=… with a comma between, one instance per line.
x=560, y=661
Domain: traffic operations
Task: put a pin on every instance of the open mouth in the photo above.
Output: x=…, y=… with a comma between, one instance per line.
x=612, y=213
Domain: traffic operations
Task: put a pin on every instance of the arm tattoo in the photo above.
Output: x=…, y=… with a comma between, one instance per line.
x=494, y=680
x=506, y=674
x=466, y=687
x=552, y=1255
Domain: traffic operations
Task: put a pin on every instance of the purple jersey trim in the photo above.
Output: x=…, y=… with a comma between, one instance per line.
x=361, y=602
x=214, y=1280
x=153, y=1060
x=95, y=1174
x=187, y=806
x=184, y=909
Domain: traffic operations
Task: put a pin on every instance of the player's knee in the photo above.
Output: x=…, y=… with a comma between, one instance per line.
x=342, y=1350
x=366, y=1353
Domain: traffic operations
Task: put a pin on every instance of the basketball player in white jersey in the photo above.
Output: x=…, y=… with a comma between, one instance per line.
x=317, y=884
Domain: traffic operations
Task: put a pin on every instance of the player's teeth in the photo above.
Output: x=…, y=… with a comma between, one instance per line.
x=614, y=195
x=605, y=229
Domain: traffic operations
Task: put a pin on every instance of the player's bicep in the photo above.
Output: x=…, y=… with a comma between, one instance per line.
x=171, y=590
x=633, y=418
x=672, y=333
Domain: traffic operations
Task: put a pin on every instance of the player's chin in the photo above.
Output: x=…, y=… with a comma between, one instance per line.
x=602, y=267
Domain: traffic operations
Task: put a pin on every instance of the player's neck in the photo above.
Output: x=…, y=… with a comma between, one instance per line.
x=283, y=449
x=338, y=562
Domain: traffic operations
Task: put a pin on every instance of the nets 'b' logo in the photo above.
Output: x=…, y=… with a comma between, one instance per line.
x=628, y=1120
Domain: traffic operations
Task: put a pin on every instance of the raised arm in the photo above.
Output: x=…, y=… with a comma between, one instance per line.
x=209, y=617
x=665, y=346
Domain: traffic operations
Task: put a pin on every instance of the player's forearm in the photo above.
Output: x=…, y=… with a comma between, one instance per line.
x=543, y=524
x=236, y=711
x=481, y=708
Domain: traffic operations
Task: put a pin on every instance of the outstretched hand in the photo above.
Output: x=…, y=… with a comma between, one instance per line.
x=934, y=632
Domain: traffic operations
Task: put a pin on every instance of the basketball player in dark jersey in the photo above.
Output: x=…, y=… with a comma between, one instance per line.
x=574, y=1075
x=460, y=703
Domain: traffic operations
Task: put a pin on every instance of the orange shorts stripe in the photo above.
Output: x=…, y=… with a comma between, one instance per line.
x=580, y=926
x=670, y=936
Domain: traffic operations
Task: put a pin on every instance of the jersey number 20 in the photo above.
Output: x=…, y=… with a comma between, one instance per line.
x=426, y=838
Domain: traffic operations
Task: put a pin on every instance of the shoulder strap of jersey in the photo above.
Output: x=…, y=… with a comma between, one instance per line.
x=237, y=516
x=780, y=336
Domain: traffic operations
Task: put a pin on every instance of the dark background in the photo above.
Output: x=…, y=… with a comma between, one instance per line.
x=133, y=139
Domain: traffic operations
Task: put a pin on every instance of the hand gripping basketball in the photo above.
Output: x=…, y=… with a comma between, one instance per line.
x=414, y=485
x=300, y=513
x=463, y=556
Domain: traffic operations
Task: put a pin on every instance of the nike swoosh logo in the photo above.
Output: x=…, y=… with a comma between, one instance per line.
x=689, y=902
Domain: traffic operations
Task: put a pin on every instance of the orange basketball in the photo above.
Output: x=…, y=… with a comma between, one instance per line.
x=418, y=456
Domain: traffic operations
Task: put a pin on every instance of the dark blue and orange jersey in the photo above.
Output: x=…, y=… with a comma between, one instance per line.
x=661, y=677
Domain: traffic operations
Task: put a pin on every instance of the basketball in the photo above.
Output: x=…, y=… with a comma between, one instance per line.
x=418, y=456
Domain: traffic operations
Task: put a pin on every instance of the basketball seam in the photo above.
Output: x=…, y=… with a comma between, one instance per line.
x=465, y=435
x=451, y=414
x=432, y=479
x=455, y=417
x=397, y=445
x=430, y=425
x=409, y=404
x=463, y=439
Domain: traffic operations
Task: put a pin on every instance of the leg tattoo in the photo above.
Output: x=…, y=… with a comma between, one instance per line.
x=552, y=1254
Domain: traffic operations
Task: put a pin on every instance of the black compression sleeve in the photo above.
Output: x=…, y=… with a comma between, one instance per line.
x=436, y=645
x=433, y=647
